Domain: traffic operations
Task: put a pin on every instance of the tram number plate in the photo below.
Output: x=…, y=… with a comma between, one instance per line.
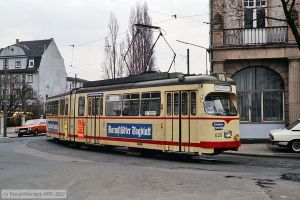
x=218, y=134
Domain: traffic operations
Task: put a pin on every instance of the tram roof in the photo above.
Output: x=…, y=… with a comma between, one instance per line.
x=153, y=80
x=150, y=80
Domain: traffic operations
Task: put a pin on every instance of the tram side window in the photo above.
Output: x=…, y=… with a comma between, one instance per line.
x=113, y=105
x=97, y=102
x=169, y=104
x=48, y=108
x=193, y=103
x=131, y=105
x=101, y=106
x=56, y=108
x=89, y=106
x=81, y=106
x=184, y=100
x=62, y=107
x=67, y=107
x=150, y=104
x=176, y=103
x=52, y=108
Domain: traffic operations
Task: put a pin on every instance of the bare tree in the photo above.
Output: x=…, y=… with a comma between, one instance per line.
x=112, y=68
x=121, y=70
x=291, y=17
x=21, y=97
x=140, y=40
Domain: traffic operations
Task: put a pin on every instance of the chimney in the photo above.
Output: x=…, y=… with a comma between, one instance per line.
x=17, y=41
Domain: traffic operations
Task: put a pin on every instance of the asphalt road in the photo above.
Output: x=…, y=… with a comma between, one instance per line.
x=97, y=173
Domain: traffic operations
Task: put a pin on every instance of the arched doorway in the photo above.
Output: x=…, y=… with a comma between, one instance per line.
x=260, y=95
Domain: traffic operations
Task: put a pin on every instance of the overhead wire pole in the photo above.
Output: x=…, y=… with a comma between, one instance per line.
x=75, y=79
x=207, y=51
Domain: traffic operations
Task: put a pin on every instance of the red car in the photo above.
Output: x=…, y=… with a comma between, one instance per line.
x=34, y=126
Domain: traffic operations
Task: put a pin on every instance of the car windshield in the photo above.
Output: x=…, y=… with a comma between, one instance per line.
x=31, y=122
x=293, y=124
x=219, y=104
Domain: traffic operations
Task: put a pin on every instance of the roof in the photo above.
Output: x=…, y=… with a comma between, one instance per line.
x=148, y=76
x=160, y=80
x=77, y=79
x=34, y=48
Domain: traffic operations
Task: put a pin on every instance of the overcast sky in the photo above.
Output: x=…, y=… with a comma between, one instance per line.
x=83, y=23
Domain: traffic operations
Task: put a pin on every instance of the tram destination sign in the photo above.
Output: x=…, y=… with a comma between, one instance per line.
x=136, y=131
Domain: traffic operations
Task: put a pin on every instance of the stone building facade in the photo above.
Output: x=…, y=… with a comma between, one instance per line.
x=38, y=63
x=261, y=55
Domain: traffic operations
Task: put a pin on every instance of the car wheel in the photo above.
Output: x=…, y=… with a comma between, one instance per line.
x=36, y=132
x=20, y=135
x=295, y=145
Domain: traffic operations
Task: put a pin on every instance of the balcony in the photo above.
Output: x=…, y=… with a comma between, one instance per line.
x=256, y=36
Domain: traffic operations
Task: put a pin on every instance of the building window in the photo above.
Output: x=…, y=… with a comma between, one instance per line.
x=29, y=78
x=5, y=64
x=18, y=79
x=260, y=95
x=31, y=63
x=254, y=13
x=18, y=63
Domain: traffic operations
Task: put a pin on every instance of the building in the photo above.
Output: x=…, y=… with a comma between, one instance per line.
x=261, y=55
x=37, y=63
x=74, y=82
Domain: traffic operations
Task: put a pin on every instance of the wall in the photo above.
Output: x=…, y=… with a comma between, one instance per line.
x=232, y=12
x=259, y=131
x=17, y=53
x=52, y=78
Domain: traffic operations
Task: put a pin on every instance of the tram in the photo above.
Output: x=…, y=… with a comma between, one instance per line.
x=169, y=112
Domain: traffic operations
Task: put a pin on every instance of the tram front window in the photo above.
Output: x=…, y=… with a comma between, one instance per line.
x=220, y=105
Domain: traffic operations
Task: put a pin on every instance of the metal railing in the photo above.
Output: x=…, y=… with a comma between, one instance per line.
x=255, y=36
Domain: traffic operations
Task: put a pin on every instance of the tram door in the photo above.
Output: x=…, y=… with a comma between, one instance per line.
x=178, y=120
x=94, y=111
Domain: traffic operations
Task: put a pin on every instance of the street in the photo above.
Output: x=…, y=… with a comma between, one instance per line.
x=99, y=173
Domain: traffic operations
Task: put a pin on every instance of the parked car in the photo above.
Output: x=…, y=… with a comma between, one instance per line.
x=288, y=137
x=33, y=126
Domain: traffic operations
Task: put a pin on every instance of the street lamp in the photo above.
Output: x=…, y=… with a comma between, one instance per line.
x=5, y=97
x=207, y=51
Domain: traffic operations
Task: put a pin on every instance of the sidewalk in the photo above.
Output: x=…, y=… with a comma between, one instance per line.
x=10, y=133
x=263, y=150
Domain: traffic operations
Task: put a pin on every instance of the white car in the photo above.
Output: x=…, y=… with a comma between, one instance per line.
x=288, y=137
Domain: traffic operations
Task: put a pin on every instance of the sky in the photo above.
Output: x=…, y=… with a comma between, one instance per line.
x=84, y=24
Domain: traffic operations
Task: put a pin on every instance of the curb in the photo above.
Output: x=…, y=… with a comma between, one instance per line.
x=286, y=156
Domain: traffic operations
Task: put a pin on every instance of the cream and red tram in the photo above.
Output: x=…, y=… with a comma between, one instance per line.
x=161, y=111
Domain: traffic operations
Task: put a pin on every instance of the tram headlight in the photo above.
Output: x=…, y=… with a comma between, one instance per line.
x=227, y=134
